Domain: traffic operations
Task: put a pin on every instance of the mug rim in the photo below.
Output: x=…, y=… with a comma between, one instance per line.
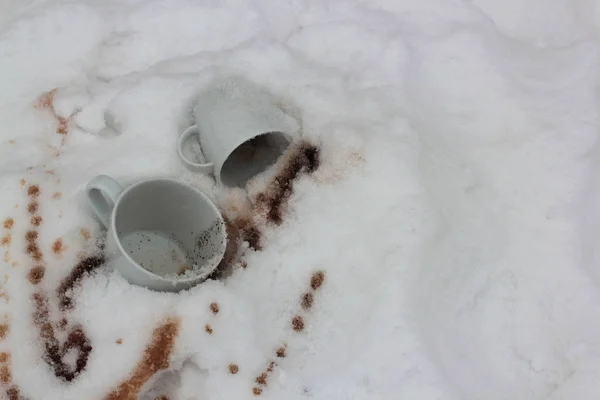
x=113, y=219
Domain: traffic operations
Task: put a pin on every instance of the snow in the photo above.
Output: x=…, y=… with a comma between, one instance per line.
x=454, y=212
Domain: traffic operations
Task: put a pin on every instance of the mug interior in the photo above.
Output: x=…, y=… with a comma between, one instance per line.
x=170, y=229
x=253, y=157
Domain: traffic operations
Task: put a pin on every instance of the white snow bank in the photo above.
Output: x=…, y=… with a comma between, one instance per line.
x=453, y=213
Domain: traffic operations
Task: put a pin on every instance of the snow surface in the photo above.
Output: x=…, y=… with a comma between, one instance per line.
x=455, y=212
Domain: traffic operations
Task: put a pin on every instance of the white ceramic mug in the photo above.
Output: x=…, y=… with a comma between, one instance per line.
x=163, y=234
x=241, y=130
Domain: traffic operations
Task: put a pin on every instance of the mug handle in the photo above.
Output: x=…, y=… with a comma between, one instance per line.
x=103, y=192
x=206, y=168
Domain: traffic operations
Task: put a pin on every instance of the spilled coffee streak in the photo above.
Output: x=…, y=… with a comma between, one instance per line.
x=54, y=352
x=76, y=340
x=156, y=358
x=84, y=267
x=46, y=101
x=305, y=159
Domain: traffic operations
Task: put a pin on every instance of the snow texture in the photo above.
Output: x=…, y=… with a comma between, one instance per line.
x=449, y=232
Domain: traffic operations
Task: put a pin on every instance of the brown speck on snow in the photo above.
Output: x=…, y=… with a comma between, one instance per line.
x=262, y=379
x=6, y=240
x=33, y=191
x=46, y=100
x=5, y=374
x=298, y=323
x=33, y=207
x=36, y=274
x=307, y=300
x=63, y=126
x=317, y=280
x=13, y=393
x=58, y=247
x=4, y=329
x=281, y=352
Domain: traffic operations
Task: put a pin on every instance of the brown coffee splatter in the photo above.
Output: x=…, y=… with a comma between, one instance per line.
x=119, y=341
x=77, y=339
x=85, y=234
x=271, y=366
x=57, y=195
x=63, y=126
x=13, y=393
x=33, y=191
x=208, y=329
x=249, y=233
x=62, y=324
x=54, y=351
x=58, y=247
x=6, y=240
x=4, y=357
x=304, y=159
x=33, y=207
x=31, y=236
x=36, y=220
x=8, y=223
x=4, y=329
x=36, y=274
x=298, y=323
x=241, y=229
x=281, y=352
x=5, y=374
x=84, y=267
x=46, y=100
x=214, y=307
x=156, y=358
x=307, y=301
x=34, y=251
x=163, y=397
x=233, y=368
x=317, y=280
x=257, y=391
x=262, y=379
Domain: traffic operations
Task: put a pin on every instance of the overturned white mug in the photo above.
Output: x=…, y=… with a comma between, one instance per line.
x=241, y=130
